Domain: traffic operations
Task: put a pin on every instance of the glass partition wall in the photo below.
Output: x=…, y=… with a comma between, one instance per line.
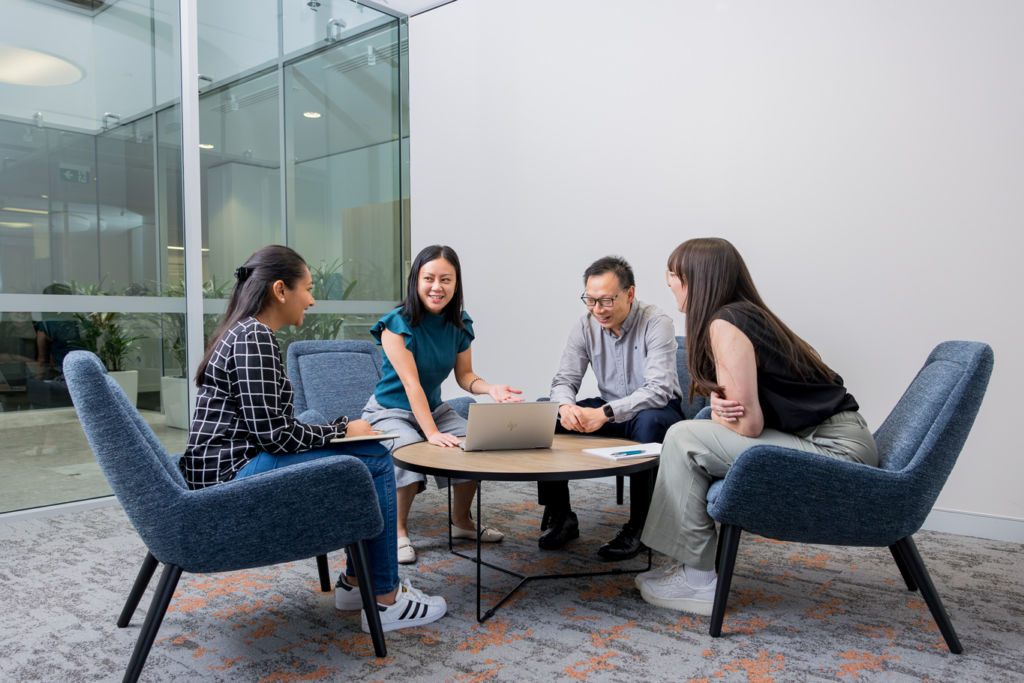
x=303, y=140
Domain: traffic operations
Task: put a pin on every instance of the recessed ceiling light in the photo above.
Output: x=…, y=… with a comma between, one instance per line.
x=203, y=145
x=28, y=67
x=11, y=208
x=5, y=224
x=44, y=196
x=183, y=248
x=312, y=114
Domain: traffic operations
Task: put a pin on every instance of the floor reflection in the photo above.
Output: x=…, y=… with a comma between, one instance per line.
x=45, y=458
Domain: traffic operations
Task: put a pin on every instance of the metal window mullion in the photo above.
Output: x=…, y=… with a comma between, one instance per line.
x=283, y=146
x=191, y=190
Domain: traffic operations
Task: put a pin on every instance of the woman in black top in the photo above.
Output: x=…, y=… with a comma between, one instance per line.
x=767, y=386
x=244, y=423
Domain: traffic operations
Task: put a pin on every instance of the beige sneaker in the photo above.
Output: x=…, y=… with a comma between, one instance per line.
x=488, y=536
x=406, y=553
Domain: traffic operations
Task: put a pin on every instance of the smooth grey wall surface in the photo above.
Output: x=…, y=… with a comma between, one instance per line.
x=867, y=158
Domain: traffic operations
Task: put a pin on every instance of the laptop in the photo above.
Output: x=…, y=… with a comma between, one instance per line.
x=510, y=426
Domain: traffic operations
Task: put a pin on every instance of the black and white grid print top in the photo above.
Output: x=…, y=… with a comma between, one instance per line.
x=244, y=408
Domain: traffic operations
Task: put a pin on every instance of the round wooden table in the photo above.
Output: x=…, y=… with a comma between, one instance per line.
x=563, y=461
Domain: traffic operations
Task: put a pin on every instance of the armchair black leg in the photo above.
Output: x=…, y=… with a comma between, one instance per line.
x=325, y=573
x=362, y=569
x=908, y=549
x=730, y=537
x=141, y=581
x=619, y=486
x=718, y=552
x=904, y=570
x=154, y=617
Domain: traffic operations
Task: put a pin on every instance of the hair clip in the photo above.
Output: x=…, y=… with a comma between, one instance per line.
x=242, y=273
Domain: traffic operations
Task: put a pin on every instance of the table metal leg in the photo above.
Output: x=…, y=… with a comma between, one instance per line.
x=523, y=578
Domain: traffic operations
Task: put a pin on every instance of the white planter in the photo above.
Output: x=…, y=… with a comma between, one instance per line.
x=129, y=381
x=174, y=397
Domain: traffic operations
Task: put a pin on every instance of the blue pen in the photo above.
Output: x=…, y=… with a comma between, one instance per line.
x=628, y=453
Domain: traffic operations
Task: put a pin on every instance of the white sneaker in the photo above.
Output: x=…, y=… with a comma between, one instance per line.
x=488, y=536
x=671, y=591
x=655, y=574
x=412, y=608
x=406, y=553
x=346, y=596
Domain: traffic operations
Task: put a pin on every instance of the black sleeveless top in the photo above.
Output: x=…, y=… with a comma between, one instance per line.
x=790, y=403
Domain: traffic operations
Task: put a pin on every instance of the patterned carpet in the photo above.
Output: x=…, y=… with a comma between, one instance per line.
x=797, y=613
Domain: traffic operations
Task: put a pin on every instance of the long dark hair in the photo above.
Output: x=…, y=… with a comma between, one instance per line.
x=412, y=307
x=252, y=290
x=715, y=276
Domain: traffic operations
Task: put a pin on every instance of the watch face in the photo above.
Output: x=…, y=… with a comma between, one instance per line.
x=608, y=413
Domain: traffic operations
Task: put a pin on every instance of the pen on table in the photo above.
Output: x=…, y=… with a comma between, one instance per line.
x=628, y=452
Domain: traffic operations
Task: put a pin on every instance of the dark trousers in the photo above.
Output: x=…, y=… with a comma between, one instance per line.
x=649, y=426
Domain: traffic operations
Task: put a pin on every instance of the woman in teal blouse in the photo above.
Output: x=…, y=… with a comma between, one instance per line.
x=424, y=340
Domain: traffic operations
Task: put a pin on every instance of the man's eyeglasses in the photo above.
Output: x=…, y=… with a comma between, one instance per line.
x=606, y=302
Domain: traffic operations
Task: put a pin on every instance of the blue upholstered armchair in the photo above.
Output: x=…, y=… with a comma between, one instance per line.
x=337, y=377
x=257, y=521
x=789, y=495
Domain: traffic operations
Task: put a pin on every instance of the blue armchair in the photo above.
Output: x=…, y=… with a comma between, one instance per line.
x=257, y=521
x=337, y=377
x=789, y=495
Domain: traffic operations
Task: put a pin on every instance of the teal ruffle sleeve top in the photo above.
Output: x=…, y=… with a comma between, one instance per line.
x=434, y=344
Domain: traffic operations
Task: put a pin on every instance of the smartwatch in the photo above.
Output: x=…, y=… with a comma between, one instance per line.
x=609, y=413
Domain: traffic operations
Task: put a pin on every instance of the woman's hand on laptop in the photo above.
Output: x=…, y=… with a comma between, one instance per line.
x=444, y=440
x=503, y=393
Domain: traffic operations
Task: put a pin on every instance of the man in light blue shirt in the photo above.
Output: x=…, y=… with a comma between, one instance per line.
x=631, y=347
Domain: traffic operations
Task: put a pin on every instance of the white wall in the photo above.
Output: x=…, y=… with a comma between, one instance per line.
x=865, y=157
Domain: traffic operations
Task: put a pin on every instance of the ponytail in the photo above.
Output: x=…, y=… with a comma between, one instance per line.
x=252, y=289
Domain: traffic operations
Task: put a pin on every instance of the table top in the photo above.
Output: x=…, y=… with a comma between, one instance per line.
x=564, y=460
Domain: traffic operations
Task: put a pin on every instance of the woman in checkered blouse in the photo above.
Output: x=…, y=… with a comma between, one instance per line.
x=244, y=422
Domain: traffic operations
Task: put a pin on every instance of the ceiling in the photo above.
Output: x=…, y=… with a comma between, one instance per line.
x=407, y=7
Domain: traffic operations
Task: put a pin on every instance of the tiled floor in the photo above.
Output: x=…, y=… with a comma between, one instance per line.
x=45, y=458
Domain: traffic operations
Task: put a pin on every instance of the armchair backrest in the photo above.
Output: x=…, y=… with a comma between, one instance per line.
x=132, y=459
x=690, y=411
x=333, y=377
x=924, y=433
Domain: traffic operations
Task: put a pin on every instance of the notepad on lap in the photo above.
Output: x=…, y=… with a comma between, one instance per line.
x=644, y=450
x=373, y=437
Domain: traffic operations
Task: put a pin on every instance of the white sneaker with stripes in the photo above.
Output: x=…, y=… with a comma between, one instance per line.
x=412, y=608
x=346, y=596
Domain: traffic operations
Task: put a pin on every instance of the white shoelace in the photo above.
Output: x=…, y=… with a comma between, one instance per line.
x=673, y=569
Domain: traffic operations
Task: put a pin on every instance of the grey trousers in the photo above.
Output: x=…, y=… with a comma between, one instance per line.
x=696, y=452
x=404, y=422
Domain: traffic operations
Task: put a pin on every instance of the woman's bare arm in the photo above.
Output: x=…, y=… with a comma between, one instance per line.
x=736, y=366
x=464, y=375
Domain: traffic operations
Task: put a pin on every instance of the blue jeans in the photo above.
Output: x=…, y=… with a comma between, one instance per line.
x=382, y=549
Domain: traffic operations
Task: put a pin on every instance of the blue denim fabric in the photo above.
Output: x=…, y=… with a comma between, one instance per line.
x=383, y=548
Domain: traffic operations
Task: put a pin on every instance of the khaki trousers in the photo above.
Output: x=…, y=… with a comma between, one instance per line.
x=696, y=452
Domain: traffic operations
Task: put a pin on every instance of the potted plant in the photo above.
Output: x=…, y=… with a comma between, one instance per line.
x=104, y=335
x=174, y=387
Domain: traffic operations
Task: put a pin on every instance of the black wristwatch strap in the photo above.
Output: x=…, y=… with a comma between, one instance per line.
x=609, y=413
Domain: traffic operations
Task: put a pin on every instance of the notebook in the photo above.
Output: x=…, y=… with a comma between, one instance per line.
x=644, y=450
